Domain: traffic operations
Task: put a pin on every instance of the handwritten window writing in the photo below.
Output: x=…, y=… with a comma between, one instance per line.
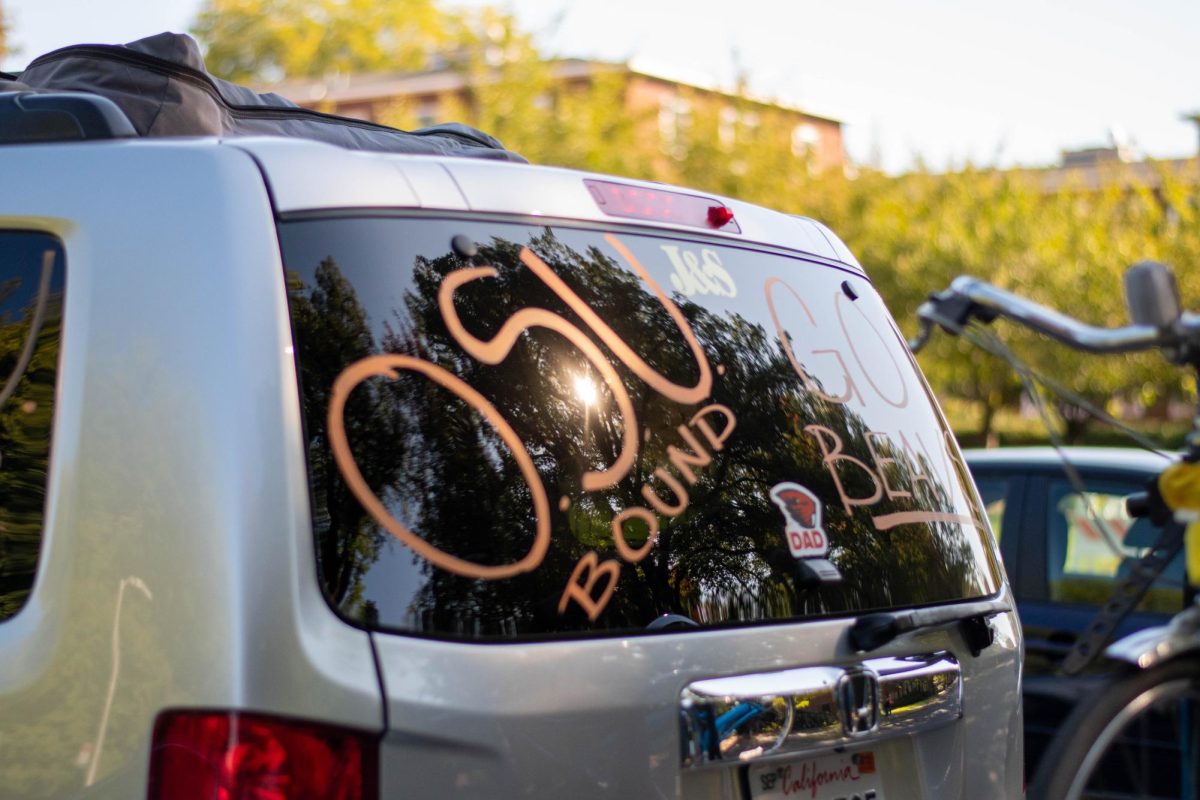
x=834, y=360
x=894, y=470
x=464, y=484
x=388, y=365
x=495, y=351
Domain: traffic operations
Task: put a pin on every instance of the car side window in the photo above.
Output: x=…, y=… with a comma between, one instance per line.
x=994, y=494
x=1092, y=543
x=31, y=304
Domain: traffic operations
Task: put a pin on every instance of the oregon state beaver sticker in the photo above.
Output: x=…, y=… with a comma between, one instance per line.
x=802, y=520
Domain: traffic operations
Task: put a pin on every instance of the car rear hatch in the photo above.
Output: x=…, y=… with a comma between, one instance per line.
x=611, y=500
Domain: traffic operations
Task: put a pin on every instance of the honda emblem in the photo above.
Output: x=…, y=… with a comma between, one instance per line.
x=858, y=702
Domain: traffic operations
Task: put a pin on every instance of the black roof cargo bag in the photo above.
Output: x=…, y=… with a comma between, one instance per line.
x=161, y=84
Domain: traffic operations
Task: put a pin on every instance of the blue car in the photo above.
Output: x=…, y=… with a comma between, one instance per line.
x=1064, y=559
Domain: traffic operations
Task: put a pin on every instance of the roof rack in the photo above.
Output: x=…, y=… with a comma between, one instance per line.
x=29, y=117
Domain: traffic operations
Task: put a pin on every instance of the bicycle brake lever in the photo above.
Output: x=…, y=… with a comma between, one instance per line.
x=950, y=309
x=918, y=342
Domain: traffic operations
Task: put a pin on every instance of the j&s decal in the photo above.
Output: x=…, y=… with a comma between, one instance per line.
x=802, y=520
x=699, y=275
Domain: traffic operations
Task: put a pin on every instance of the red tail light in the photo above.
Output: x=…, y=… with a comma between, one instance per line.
x=635, y=202
x=719, y=216
x=225, y=755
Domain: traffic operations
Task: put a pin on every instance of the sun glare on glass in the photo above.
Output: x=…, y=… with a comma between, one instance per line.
x=585, y=390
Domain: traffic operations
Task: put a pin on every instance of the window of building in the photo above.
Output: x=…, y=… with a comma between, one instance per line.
x=31, y=300
x=674, y=119
x=427, y=111
x=733, y=123
x=805, y=138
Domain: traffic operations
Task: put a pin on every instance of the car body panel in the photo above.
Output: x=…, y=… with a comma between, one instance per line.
x=601, y=718
x=492, y=187
x=178, y=565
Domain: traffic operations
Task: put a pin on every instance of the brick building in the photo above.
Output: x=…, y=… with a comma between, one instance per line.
x=1093, y=168
x=667, y=101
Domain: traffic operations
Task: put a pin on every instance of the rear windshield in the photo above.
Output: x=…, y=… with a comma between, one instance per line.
x=524, y=431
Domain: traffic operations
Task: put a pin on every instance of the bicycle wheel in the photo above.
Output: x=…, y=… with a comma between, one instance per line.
x=1138, y=738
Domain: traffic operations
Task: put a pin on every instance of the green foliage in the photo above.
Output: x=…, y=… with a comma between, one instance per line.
x=1066, y=248
x=914, y=233
x=5, y=30
x=259, y=40
x=1069, y=249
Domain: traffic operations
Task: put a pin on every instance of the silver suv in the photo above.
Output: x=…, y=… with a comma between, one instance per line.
x=327, y=474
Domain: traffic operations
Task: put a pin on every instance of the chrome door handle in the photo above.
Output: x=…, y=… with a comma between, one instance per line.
x=745, y=717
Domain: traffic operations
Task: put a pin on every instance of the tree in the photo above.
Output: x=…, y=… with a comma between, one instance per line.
x=914, y=233
x=4, y=31
x=264, y=40
x=1066, y=249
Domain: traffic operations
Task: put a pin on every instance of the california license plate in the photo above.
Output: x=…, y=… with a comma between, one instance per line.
x=840, y=776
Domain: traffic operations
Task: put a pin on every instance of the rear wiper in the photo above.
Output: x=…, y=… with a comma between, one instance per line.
x=672, y=622
x=873, y=631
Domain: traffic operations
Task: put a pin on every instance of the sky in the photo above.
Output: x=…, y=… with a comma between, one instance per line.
x=934, y=81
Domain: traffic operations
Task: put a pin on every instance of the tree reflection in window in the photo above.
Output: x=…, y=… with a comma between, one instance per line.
x=442, y=471
x=31, y=302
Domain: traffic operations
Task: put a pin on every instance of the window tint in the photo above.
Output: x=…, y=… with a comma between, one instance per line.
x=1092, y=542
x=31, y=293
x=577, y=431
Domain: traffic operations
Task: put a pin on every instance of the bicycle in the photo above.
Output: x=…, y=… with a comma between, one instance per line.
x=1141, y=735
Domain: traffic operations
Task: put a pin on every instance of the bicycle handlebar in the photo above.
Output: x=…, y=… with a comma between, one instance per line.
x=970, y=298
